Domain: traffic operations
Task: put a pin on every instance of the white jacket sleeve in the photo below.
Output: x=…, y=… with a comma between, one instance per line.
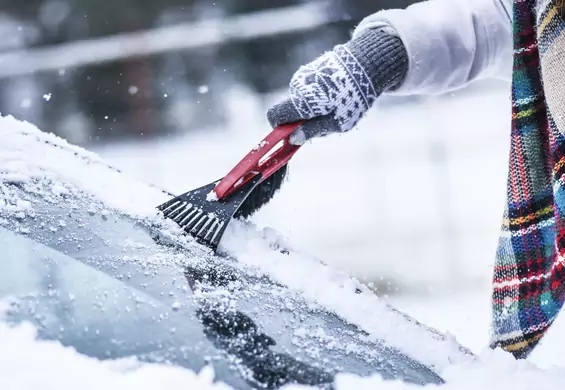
x=450, y=43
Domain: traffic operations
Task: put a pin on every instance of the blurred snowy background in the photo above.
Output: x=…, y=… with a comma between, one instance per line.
x=175, y=92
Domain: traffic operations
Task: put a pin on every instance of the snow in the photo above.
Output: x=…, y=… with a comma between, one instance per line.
x=337, y=291
x=212, y=196
x=393, y=231
x=494, y=370
x=27, y=364
x=25, y=159
x=68, y=169
x=57, y=367
x=355, y=200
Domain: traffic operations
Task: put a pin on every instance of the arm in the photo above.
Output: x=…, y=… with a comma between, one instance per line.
x=429, y=48
x=450, y=43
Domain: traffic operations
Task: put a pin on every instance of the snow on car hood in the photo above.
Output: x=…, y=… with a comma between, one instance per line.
x=29, y=156
x=53, y=364
x=56, y=367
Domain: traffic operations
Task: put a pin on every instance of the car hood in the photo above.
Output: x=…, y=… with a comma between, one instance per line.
x=35, y=165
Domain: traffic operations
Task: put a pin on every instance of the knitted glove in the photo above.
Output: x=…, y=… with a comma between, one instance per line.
x=335, y=90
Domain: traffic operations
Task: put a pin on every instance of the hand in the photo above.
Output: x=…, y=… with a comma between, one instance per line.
x=334, y=91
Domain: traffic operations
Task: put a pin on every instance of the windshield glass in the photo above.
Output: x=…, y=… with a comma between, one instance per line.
x=129, y=295
x=97, y=315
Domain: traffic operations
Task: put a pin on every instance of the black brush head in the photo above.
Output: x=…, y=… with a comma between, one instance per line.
x=206, y=219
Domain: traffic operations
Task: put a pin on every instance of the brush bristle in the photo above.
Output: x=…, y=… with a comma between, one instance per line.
x=194, y=221
x=262, y=194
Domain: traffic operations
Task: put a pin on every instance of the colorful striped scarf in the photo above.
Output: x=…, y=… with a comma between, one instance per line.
x=529, y=274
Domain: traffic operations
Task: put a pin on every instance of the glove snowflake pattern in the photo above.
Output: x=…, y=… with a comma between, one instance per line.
x=333, y=84
x=333, y=92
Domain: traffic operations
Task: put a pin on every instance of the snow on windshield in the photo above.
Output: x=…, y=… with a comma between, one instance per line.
x=336, y=291
x=33, y=158
x=28, y=156
x=27, y=364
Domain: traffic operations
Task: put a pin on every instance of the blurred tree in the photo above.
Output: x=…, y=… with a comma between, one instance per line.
x=121, y=98
x=155, y=93
x=265, y=63
x=22, y=9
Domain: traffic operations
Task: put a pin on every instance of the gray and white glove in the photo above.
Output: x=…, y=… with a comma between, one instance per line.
x=334, y=91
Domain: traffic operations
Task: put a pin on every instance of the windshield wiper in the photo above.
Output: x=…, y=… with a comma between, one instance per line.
x=237, y=335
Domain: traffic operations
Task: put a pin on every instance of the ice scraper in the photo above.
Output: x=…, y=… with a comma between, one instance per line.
x=205, y=212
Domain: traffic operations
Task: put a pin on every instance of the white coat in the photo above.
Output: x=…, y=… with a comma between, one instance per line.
x=450, y=43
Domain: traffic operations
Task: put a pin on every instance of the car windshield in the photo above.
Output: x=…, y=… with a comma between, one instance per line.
x=113, y=287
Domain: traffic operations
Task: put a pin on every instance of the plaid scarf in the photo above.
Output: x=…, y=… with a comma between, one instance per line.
x=529, y=274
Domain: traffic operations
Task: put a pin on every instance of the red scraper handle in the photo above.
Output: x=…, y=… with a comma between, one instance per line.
x=259, y=161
